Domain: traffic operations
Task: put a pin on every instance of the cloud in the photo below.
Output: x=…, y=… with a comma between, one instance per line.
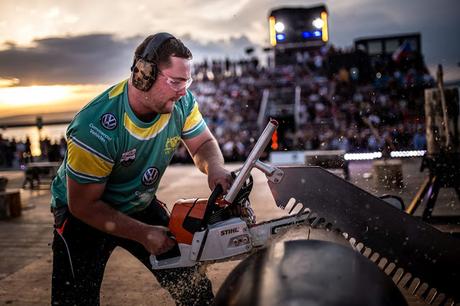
x=232, y=48
x=211, y=27
x=94, y=58
x=82, y=59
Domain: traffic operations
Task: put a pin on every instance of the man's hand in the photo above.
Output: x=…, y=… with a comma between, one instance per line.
x=219, y=176
x=156, y=240
x=85, y=204
x=208, y=158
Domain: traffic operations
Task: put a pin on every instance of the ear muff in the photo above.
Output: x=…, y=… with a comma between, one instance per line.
x=145, y=68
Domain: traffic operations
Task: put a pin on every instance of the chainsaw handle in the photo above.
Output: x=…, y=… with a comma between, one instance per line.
x=216, y=193
x=251, y=161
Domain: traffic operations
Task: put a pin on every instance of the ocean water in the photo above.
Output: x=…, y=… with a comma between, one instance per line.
x=53, y=132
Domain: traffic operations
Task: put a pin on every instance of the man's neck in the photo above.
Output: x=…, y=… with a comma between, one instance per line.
x=138, y=108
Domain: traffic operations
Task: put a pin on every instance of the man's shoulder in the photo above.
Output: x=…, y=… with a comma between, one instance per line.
x=101, y=117
x=109, y=100
x=187, y=102
x=106, y=105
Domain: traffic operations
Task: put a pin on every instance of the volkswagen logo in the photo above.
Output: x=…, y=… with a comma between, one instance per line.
x=109, y=121
x=150, y=176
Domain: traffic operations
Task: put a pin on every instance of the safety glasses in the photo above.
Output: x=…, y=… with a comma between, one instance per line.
x=176, y=84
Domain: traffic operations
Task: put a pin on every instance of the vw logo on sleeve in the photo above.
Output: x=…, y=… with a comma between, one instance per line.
x=150, y=176
x=109, y=121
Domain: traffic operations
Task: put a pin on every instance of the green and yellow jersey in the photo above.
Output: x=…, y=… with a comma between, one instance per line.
x=107, y=143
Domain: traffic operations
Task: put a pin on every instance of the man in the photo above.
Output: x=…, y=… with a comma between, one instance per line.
x=119, y=146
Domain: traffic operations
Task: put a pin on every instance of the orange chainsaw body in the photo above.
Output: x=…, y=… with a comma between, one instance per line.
x=186, y=218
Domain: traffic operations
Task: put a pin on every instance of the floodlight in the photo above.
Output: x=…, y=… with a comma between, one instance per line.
x=318, y=23
x=279, y=27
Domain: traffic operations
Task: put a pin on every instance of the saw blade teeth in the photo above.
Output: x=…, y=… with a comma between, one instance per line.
x=315, y=220
x=303, y=209
x=367, y=252
x=403, y=279
x=290, y=203
x=352, y=242
x=374, y=257
x=295, y=206
x=390, y=268
x=439, y=299
x=298, y=209
x=423, y=292
x=312, y=217
x=432, y=296
x=398, y=275
x=382, y=264
x=414, y=285
x=306, y=211
x=359, y=247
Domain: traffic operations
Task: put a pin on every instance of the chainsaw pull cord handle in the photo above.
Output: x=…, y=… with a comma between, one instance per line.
x=211, y=206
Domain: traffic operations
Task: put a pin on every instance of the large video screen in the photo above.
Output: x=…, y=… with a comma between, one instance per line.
x=298, y=26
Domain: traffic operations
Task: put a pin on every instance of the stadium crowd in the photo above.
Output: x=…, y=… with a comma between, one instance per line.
x=340, y=107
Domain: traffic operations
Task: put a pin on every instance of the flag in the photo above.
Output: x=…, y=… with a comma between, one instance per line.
x=403, y=51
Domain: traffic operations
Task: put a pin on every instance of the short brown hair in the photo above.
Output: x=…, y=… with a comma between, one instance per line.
x=171, y=47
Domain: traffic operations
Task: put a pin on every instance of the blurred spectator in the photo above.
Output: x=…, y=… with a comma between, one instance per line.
x=334, y=106
x=419, y=139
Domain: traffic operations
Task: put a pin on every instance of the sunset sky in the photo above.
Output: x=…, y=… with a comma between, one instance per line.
x=57, y=55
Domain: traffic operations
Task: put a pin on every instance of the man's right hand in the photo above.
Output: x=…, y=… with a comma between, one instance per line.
x=156, y=240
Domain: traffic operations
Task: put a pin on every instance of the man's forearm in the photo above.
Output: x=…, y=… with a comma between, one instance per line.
x=104, y=218
x=208, y=155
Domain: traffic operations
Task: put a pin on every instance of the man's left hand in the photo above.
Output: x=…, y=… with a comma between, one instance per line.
x=219, y=176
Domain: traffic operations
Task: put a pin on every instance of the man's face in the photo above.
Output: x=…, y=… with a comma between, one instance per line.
x=171, y=84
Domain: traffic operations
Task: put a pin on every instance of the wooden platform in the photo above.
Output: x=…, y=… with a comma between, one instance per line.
x=10, y=204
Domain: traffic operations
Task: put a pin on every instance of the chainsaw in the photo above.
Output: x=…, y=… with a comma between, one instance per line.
x=224, y=227
x=417, y=256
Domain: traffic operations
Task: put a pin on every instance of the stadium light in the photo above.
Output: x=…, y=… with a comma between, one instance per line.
x=413, y=153
x=324, y=31
x=362, y=156
x=377, y=155
x=279, y=27
x=280, y=37
x=271, y=24
x=318, y=23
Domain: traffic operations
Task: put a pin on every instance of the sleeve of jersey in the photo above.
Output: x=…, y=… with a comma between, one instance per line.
x=86, y=163
x=194, y=123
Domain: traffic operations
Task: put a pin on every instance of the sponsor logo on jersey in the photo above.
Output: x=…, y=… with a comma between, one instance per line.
x=128, y=157
x=171, y=144
x=109, y=121
x=144, y=197
x=98, y=133
x=150, y=176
